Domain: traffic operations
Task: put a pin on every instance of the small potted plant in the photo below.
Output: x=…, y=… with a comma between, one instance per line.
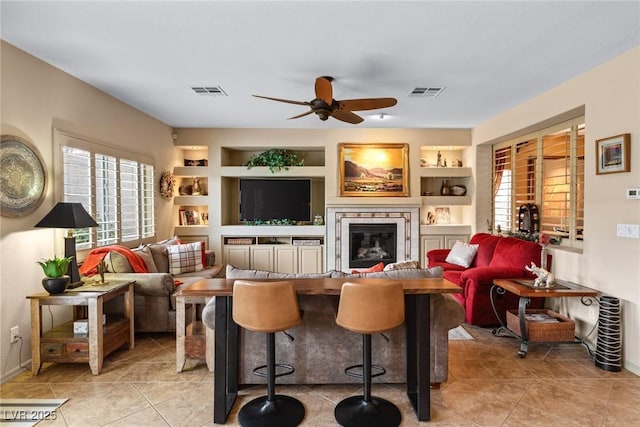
x=55, y=270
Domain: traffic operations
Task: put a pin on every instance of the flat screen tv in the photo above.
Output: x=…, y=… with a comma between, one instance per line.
x=268, y=199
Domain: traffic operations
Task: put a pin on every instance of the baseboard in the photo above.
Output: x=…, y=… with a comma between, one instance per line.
x=15, y=372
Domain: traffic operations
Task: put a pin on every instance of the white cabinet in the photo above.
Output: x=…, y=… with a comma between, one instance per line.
x=432, y=237
x=283, y=254
x=237, y=255
x=310, y=259
x=286, y=259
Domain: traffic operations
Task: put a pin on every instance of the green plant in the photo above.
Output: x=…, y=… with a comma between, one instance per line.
x=55, y=267
x=276, y=158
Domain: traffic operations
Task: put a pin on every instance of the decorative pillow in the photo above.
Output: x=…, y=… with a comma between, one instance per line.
x=462, y=254
x=404, y=265
x=147, y=256
x=117, y=263
x=185, y=258
x=159, y=253
x=374, y=269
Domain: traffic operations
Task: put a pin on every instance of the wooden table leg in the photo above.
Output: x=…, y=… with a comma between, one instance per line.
x=180, y=333
x=36, y=333
x=96, y=341
x=129, y=313
x=209, y=341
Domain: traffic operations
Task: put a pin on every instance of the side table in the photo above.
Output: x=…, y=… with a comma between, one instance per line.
x=524, y=289
x=60, y=344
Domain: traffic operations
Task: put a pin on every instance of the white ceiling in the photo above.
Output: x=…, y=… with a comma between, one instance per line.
x=490, y=56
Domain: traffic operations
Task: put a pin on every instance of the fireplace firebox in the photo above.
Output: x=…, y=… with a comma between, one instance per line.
x=370, y=244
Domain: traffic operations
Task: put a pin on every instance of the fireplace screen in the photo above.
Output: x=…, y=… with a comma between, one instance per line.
x=371, y=243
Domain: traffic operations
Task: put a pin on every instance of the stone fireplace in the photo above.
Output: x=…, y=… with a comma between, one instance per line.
x=364, y=235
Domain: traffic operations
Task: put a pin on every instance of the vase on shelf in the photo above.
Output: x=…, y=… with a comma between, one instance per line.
x=444, y=188
x=195, y=191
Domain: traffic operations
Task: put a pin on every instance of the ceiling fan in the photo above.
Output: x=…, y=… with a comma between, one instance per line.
x=325, y=106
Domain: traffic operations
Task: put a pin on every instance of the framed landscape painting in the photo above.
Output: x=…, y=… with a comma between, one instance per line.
x=374, y=170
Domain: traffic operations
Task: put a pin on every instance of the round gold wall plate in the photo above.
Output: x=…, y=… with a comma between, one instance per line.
x=23, y=177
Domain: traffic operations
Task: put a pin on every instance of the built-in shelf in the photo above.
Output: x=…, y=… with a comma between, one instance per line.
x=273, y=230
x=264, y=172
x=190, y=171
x=191, y=200
x=444, y=172
x=446, y=200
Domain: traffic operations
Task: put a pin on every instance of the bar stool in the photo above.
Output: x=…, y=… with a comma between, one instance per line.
x=367, y=309
x=268, y=307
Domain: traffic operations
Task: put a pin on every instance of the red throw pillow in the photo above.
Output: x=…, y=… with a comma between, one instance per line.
x=375, y=269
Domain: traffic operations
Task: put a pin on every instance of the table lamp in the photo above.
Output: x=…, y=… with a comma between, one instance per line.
x=69, y=215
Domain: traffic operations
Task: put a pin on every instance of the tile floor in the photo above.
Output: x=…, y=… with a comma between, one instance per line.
x=489, y=385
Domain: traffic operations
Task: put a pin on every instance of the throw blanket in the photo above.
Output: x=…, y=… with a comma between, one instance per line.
x=90, y=265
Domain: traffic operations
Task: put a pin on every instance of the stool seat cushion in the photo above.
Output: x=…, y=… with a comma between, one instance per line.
x=265, y=306
x=371, y=308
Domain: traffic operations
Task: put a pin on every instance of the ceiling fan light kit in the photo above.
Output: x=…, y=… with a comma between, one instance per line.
x=324, y=106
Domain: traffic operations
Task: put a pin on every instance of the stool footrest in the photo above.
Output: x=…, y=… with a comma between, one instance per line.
x=379, y=371
x=261, y=370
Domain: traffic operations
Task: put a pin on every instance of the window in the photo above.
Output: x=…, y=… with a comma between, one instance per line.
x=116, y=188
x=545, y=169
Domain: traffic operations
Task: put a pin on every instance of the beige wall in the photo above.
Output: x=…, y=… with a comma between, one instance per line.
x=610, y=94
x=36, y=98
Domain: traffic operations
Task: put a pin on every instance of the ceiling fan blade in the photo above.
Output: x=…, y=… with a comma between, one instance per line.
x=301, y=115
x=288, y=101
x=324, y=91
x=366, y=103
x=347, y=116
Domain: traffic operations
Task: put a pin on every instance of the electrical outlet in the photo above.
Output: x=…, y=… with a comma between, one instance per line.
x=15, y=333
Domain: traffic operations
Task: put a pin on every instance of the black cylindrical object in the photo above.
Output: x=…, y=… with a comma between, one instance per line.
x=609, y=344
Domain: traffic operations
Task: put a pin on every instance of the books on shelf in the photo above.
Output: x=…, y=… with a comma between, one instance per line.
x=540, y=318
x=193, y=217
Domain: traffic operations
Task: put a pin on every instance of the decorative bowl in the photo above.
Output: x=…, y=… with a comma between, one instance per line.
x=458, y=190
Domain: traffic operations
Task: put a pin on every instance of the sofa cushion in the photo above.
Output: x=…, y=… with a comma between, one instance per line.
x=487, y=245
x=159, y=253
x=516, y=253
x=417, y=273
x=462, y=254
x=185, y=258
x=239, y=273
x=373, y=269
x=402, y=265
x=147, y=256
x=117, y=263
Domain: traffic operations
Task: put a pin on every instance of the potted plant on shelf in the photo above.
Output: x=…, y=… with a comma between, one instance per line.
x=55, y=270
x=276, y=158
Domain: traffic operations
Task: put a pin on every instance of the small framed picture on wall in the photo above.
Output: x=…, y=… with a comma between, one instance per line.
x=613, y=154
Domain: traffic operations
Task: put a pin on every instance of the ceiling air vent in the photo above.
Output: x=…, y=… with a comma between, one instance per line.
x=427, y=92
x=209, y=90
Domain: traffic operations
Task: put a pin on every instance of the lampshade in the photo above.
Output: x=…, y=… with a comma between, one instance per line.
x=67, y=215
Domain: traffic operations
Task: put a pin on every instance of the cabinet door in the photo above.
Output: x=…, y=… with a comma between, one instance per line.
x=262, y=257
x=238, y=256
x=310, y=259
x=285, y=259
x=428, y=243
x=449, y=241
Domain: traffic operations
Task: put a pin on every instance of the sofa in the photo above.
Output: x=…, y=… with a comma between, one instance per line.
x=320, y=349
x=154, y=304
x=496, y=257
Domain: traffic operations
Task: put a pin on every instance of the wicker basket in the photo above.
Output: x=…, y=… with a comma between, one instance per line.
x=563, y=330
x=240, y=241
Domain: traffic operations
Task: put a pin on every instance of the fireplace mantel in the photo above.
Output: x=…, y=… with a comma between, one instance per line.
x=415, y=202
